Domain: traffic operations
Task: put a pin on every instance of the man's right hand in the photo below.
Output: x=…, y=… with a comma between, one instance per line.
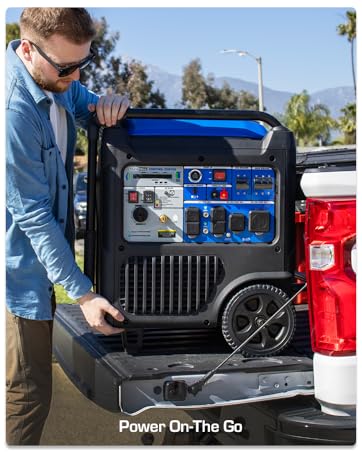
x=94, y=308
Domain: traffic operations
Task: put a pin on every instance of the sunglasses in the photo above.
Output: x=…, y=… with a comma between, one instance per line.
x=65, y=70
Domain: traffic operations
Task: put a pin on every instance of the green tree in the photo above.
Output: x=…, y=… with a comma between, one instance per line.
x=82, y=142
x=228, y=98
x=199, y=93
x=194, y=89
x=102, y=73
x=107, y=72
x=247, y=101
x=12, y=32
x=133, y=80
x=221, y=98
x=311, y=125
x=322, y=124
x=349, y=29
x=347, y=123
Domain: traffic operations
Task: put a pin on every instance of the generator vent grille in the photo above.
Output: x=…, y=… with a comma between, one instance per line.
x=169, y=285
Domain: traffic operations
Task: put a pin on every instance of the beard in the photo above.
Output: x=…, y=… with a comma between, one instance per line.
x=59, y=86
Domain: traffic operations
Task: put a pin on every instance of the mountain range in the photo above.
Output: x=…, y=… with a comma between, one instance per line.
x=274, y=100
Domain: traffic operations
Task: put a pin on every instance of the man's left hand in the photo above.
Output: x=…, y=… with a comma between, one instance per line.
x=110, y=108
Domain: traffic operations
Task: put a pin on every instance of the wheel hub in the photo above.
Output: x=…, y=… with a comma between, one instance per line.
x=259, y=321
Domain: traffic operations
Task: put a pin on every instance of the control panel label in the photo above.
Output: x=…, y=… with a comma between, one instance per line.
x=199, y=204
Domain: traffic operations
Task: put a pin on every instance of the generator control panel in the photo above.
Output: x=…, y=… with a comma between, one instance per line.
x=199, y=204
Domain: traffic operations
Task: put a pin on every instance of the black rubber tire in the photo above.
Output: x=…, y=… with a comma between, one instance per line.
x=250, y=307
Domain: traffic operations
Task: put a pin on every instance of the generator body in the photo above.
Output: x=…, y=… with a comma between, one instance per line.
x=192, y=208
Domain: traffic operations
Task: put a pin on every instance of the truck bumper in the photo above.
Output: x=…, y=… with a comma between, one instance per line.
x=295, y=421
x=310, y=426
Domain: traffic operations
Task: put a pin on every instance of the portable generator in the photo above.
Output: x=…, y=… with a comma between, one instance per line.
x=191, y=223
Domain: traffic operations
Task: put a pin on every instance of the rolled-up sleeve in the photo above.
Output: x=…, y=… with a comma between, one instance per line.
x=29, y=203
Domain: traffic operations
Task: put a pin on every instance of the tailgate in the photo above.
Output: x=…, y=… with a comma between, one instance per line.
x=130, y=383
x=329, y=156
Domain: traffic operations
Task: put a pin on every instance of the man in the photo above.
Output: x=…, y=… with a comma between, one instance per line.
x=45, y=101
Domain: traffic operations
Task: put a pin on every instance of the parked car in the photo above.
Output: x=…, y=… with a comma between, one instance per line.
x=80, y=203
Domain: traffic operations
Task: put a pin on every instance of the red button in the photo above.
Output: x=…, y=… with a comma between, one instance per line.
x=224, y=195
x=219, y=175
x=132, y=197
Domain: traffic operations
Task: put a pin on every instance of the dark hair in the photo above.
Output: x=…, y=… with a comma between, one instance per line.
x=74, y=24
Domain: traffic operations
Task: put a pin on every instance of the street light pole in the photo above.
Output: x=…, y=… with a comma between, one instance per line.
x=260, y=85
x=243, y=53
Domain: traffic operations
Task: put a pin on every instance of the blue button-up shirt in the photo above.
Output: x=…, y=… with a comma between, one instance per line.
x=38, y=193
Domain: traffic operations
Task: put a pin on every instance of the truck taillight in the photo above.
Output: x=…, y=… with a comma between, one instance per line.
x=321, y=257
x=330, y=236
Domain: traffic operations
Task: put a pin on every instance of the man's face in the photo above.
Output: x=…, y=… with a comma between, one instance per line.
x=63, y=53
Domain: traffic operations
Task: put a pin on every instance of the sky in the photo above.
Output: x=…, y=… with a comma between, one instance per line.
x=299, y=47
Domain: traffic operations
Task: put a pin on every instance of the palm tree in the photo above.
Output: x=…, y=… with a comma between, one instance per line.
x=349, y=29
x=311, y=124
x=347, y=123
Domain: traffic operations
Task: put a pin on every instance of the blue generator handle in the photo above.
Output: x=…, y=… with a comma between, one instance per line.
x=250, y=115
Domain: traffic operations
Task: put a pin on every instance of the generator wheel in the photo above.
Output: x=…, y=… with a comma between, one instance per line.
x=249, y=309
